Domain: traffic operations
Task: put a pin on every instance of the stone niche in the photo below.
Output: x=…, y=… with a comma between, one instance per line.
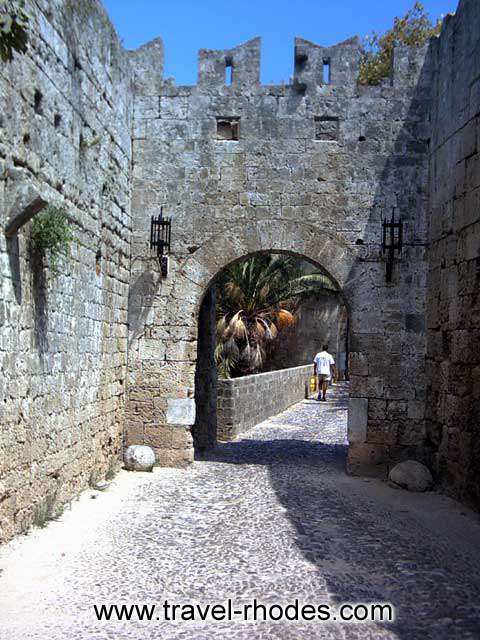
x=326, y=128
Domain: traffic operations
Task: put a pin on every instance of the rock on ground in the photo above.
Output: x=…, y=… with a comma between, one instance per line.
x=139, y=457
x=411, y=475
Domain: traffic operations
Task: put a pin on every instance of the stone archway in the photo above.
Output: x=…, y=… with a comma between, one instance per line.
x=167, y=381
x=223, y=410
x=275, y=236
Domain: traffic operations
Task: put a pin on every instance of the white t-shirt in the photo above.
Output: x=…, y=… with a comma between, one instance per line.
x=323, y=360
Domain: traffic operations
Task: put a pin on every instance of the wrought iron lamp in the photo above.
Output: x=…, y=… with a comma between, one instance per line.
x=160, y=239
x=392, y=242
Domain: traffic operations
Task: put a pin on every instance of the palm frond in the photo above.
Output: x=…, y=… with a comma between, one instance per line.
x=230, y=349
x=259, y=328
x=222, y=327
x=224, y=363
x=257, y=357
x=256, y=299
x=237, y=326
x=235, y=293
x=273, y=330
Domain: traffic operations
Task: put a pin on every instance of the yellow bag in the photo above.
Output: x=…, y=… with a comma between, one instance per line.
x=313, y=384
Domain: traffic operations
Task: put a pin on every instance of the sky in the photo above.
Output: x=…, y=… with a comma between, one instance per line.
x=189, y=25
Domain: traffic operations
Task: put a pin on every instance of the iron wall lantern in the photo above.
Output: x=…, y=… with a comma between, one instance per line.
x=160, y=240
x=392, y=242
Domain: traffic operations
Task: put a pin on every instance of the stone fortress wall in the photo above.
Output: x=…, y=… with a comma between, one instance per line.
x=453, y=296
x=317, y=165
x=65, y=134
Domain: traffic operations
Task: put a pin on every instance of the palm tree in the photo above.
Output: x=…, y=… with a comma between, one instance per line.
x=256, y=299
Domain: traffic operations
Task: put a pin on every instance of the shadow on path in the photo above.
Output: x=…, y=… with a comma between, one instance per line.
x=367, y=540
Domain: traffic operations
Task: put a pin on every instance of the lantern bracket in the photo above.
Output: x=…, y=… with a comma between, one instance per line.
x=392, y=242
x=160, y=239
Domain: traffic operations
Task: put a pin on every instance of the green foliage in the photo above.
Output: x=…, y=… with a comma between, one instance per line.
x=414, y=29
x=84, y=144
x=13, y=28
x=112, y=469
x=45, y=511
x=52, y=233
x=256, y=299
x=95, y=479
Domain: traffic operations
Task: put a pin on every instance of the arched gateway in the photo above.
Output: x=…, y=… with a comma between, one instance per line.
x=271, y=235
x=161, y=408
x=305, y=169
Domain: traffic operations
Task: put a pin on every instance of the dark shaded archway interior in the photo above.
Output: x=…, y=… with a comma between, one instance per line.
x=204, y=430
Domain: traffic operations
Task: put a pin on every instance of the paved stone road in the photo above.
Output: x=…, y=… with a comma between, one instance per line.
x=273, y=517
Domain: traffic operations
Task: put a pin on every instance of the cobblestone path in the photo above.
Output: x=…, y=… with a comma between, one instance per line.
x=272, y=516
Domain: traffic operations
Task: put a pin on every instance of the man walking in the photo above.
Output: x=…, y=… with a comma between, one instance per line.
x=323, y=368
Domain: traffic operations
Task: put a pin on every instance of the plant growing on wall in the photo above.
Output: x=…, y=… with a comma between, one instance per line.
x=414, y=29
x=14, y=21
x=52, y=234
x=256, y=299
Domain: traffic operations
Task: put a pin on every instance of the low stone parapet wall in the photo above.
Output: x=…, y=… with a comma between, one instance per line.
x=244, y=402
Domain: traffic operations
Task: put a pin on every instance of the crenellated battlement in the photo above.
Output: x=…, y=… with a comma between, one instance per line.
x=243, y=61
x=316, y=67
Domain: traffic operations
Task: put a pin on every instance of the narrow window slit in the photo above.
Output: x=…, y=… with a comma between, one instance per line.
x=37, y=101
x=98, y=262
x=228, y=72
x=326, y=71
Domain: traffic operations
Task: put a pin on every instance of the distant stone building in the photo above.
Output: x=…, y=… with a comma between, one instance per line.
x=311, y=168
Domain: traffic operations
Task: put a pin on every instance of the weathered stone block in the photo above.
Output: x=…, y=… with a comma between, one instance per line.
x=174, y=457
x=181, y=411
x=357, y=419
x=358, y=364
